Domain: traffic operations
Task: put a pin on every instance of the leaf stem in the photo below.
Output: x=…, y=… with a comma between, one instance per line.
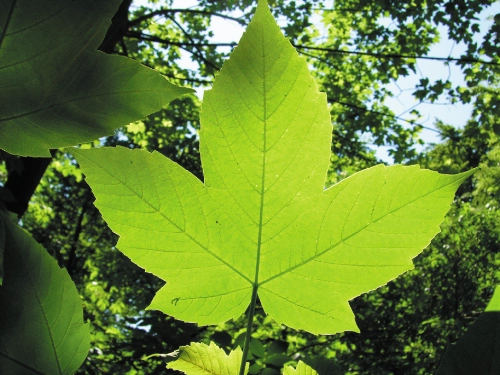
x=248, y=336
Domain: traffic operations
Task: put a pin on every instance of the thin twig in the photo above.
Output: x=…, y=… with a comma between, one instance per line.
x=354, y=106
x=152, y=38
x=165, y=12
x=303, y=47
x=395, y=56
x=191, y=40
x=187, y=79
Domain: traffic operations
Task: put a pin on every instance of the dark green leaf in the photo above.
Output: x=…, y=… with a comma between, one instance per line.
x=41, y=317
x=478, y=351
x=57, y=90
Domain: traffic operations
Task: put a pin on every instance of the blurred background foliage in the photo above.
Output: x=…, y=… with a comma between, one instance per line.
x=406, y=325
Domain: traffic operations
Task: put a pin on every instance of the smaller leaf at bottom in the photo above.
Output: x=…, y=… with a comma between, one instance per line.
x=302, y=369
x=202, y=359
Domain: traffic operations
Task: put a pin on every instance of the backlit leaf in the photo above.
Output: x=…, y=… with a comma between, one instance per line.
x=301, y=369
x=41, y=316
x=202, y=359
x=262, y=219
x=56, y=88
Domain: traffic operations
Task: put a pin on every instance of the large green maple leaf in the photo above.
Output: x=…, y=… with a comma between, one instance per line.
x=56, y=89
x=262, y=222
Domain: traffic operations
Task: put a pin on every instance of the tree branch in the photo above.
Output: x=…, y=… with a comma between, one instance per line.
x=165, y=12
x=199, y=52
x=181, y=44
x=395, y=56
x=364, y=109
x=301, y=47
x=152, y=38
x=119, y=26
x=22, y=183
x=70, y=266
x=124, y=47
x=187, y=79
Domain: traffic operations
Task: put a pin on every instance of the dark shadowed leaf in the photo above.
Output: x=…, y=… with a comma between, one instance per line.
x=41, y=316
x=478, y=351
x=56, y=88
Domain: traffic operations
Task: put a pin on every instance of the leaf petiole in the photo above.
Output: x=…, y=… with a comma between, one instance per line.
x=248, y=336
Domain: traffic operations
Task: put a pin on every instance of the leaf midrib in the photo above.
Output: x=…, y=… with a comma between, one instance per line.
x=264, y=154
x=44, y=315
x=52, y=343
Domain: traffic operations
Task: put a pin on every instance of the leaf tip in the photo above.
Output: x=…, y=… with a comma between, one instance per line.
x=263, y=7
x=262, y=3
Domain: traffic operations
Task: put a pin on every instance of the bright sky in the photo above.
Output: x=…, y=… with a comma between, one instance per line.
x=457, y=114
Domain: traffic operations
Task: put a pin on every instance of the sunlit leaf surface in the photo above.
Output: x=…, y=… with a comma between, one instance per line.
x=202, y=359
x=301, y=369
x=262, y=219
